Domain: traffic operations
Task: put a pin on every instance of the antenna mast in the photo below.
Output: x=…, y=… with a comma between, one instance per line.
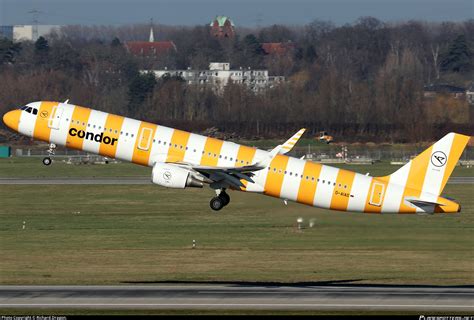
x=35, y=13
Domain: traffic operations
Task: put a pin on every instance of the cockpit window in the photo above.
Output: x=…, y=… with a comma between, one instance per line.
x=30, y=110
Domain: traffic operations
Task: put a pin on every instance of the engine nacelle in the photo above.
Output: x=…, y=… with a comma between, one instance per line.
x=172, y=176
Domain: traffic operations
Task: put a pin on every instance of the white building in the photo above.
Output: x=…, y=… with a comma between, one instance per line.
x=31, y=32
x=219, y=75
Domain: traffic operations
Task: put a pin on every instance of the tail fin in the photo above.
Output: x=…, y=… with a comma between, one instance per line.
x=430, y=170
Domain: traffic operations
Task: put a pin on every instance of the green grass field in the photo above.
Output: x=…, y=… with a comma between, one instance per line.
x=95, y=234
x=33, y=167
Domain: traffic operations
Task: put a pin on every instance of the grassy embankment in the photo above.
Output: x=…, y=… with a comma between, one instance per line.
x=143, y=234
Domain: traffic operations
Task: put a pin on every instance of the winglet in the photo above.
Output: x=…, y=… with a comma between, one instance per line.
x=290, y=143
x=280, y=149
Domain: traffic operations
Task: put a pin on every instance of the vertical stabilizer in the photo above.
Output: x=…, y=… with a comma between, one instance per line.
x=430, y=170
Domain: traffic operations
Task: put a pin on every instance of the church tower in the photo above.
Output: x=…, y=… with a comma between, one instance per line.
x=152, y=37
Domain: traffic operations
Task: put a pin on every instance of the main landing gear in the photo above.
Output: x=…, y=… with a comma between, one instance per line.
x=51, y=151
x=220, y=201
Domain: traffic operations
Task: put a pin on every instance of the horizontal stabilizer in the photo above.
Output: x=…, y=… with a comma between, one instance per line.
x=422, y=203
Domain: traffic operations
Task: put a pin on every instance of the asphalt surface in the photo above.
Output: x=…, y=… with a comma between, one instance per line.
x=236, y=296
x=133, y=180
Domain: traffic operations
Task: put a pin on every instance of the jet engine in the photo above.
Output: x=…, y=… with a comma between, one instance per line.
x=172, y=176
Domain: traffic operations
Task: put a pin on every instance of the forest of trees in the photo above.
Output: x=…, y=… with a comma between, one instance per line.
x=360, y=81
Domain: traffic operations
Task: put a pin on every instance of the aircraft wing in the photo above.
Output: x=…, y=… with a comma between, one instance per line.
x=243, y=169
x=224, y=177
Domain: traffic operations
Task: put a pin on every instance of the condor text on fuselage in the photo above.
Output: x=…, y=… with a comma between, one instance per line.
x=99, y=137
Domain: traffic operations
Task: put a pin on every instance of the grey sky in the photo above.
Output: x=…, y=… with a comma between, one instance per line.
x=243, y=12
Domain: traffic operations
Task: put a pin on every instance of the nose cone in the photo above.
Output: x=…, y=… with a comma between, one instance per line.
x=12, y=118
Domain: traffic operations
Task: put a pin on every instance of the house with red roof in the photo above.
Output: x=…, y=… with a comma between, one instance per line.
x=150, y=48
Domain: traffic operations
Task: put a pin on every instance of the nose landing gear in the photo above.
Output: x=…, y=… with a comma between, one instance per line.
x=47, y=161
x=220, y=201
x=51, y=151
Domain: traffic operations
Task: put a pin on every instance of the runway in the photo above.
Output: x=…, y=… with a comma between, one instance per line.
x=236, y=296
x=130, y=181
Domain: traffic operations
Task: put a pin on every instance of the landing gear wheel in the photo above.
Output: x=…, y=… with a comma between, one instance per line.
x=225, y=197
x=47, y=161
x=216, y=203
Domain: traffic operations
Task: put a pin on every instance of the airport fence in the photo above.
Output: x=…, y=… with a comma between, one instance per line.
x=331, y=154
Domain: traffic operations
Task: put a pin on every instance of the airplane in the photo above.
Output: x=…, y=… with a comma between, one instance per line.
x=180, y=159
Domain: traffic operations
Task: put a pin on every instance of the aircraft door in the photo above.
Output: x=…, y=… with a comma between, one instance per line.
x=55, y=119
x=144, y=140
x=376, y=196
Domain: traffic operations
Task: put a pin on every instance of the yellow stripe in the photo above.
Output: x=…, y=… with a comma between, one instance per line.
x=113, y=122
x=307, y=188
x=177, y=149
x=82, y=115
x=415, y=180
x=213, y=146
x=342, y=190
x=274, y=179
x=246, y=154
x=142, y=156
x=45, y=114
